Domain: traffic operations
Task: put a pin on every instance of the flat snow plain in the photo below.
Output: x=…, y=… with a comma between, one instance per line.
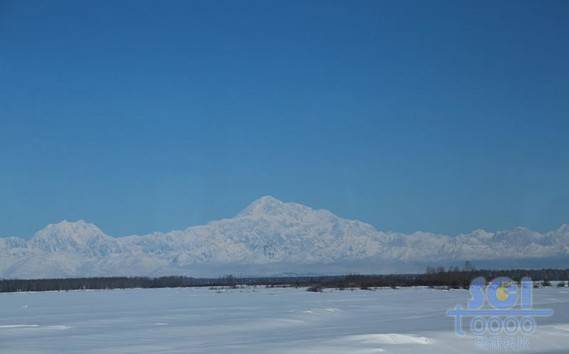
x=254, y=320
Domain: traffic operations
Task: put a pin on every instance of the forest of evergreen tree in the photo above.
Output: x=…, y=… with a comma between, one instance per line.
x=433, y=277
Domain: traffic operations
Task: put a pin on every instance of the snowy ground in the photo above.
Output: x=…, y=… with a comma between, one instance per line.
x=294, y=321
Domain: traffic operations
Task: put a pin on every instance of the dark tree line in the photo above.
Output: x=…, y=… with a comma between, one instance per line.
x=12, y=285
x=453, y=279
x=434, y=277
x=19, y=285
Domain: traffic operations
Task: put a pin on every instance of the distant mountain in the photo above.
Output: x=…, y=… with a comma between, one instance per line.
x=267, y=237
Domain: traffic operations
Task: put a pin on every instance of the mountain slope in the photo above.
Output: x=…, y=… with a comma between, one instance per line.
x=267, y=235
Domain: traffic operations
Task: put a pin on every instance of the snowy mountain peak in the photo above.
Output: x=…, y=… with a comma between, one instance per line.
x=73, y=236
x=265, y=201
x=70, y=229
x=268, y=206
x=563, y=229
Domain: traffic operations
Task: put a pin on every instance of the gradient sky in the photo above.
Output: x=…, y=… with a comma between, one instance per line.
x=138, y=116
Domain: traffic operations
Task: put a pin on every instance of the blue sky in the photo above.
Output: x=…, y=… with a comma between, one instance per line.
x=442, y=116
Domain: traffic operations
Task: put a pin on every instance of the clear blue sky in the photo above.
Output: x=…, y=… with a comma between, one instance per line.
x=138, y=116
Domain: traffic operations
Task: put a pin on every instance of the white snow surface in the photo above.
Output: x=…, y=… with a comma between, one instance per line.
x=253, y=320
x=268, y=237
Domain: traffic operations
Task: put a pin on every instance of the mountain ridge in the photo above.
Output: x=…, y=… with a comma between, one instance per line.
x=268, y=232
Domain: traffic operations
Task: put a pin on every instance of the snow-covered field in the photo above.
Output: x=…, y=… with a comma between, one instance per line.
x=253, y=320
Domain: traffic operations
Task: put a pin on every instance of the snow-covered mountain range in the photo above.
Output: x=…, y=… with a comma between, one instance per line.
x=267, y=237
